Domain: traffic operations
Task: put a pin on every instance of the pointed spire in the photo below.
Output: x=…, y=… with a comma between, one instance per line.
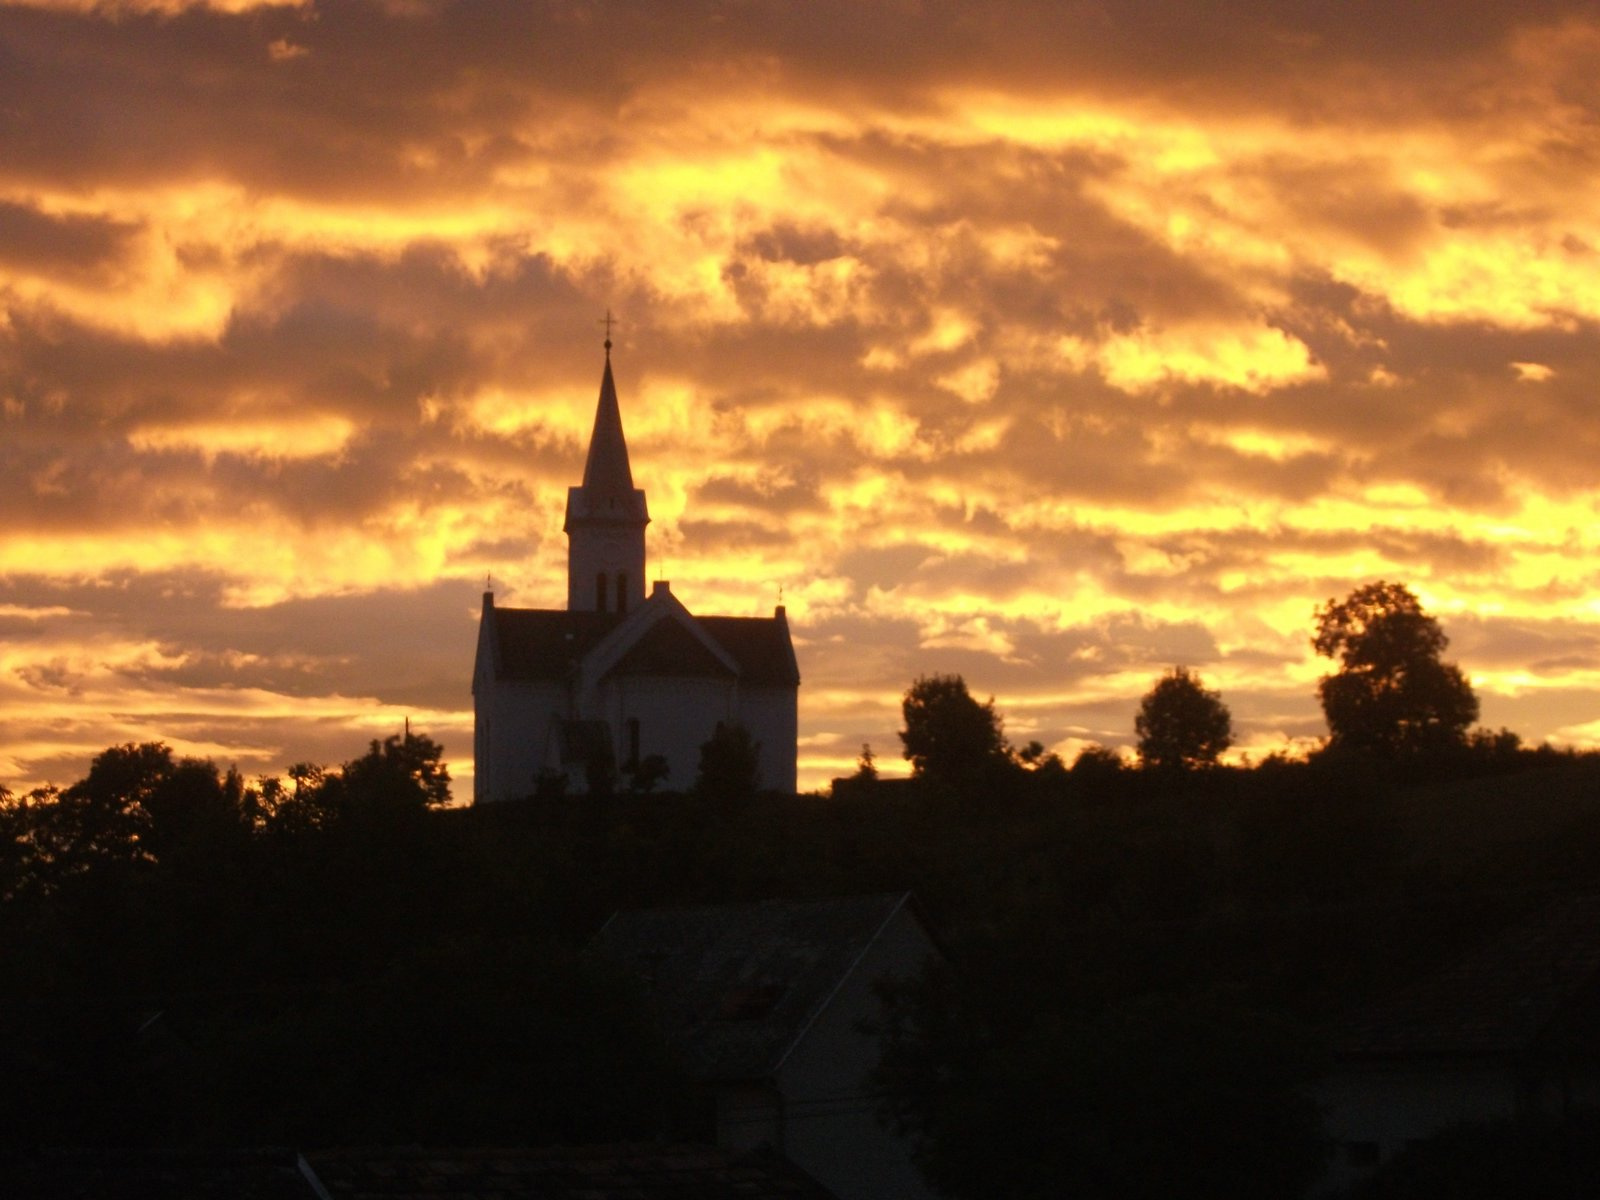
x=607, y=494
x=607, y=473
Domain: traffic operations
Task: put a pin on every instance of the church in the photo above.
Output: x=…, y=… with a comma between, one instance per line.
x=569, y=697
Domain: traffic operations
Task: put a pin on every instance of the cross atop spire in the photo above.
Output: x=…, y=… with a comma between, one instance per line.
x=608, y=321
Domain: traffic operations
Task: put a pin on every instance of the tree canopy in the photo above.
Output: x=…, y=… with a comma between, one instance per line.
x=1125, y=957
x=408, y=771
x=730, y=764
x=949, y=736
x=1180, y=724
x=1392, y=693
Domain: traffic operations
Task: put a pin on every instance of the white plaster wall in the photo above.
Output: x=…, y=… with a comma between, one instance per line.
x=675, y=716
x=515, y=745
x=830, y=1125
x=594, y=549
x=771, y=715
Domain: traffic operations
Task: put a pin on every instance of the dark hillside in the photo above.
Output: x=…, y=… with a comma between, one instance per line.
x=383, y=971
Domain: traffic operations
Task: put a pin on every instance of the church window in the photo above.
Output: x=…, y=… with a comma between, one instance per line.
x=622, y=591
x=600, y=592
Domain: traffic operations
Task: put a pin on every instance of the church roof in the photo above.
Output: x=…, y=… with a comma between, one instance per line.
x=650, y=1171
x=1535, y=985
x=738, y=984
x=137, y=1174
x=668, y=648
x=548, y=644
x=606, y=472
x=655, y=1171
x=607, y=494
x=761, y=645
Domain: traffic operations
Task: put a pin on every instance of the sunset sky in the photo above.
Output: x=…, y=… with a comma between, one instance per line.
x=1054, y=344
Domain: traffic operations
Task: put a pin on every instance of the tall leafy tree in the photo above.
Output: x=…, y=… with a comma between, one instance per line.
x=1393, y=693
x=1182, y=725
x=730, y=764
x=105, y=816
x=405, y=772
x=949, y=736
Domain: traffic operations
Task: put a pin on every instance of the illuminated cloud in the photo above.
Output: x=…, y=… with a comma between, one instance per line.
x=1053, y=344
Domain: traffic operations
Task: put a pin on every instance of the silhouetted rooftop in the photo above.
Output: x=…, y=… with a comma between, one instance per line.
x=258, y=1174
x=1536, y=984
x=545, y=643
x=738, y=984
x=642, y=1172
x=646, y=1172
x=669, y=648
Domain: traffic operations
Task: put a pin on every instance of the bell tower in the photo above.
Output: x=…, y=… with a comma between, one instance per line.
x=606, y=516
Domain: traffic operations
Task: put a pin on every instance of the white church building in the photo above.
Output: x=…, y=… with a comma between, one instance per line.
x=617, y=676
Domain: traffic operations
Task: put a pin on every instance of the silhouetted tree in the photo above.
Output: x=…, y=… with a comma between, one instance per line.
x=106, y=817
x=20, y=826
x=311, y=803
x=1095, y=761
x=1392, y=694
x=403, y=772
x=1180, y=724
x=730, y=764
x=644, y=776
x=550, y=785
x=950, y=737
x=600, y=774
x=1131, y=1100
x=194, y=810
x=1040, y=761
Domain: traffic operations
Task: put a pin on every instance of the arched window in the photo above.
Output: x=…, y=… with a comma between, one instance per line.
x=622, y=591
x=600, y=592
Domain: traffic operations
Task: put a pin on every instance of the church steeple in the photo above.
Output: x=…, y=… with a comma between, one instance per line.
x=606, y=516
x=606, y=472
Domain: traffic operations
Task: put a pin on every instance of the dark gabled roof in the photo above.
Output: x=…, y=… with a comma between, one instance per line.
x=736, y=985
x=547, y=643
x=1533, y=987
x=761, y=646
x=270, y=1174
x=651, y=1172
x=670, y=648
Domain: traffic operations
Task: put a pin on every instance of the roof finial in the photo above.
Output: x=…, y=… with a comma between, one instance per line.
x=608, y=322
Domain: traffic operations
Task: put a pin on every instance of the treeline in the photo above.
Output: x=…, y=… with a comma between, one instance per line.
x=356, y=966
x=191, y=959
x=1393, y=700
x=139, y=804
